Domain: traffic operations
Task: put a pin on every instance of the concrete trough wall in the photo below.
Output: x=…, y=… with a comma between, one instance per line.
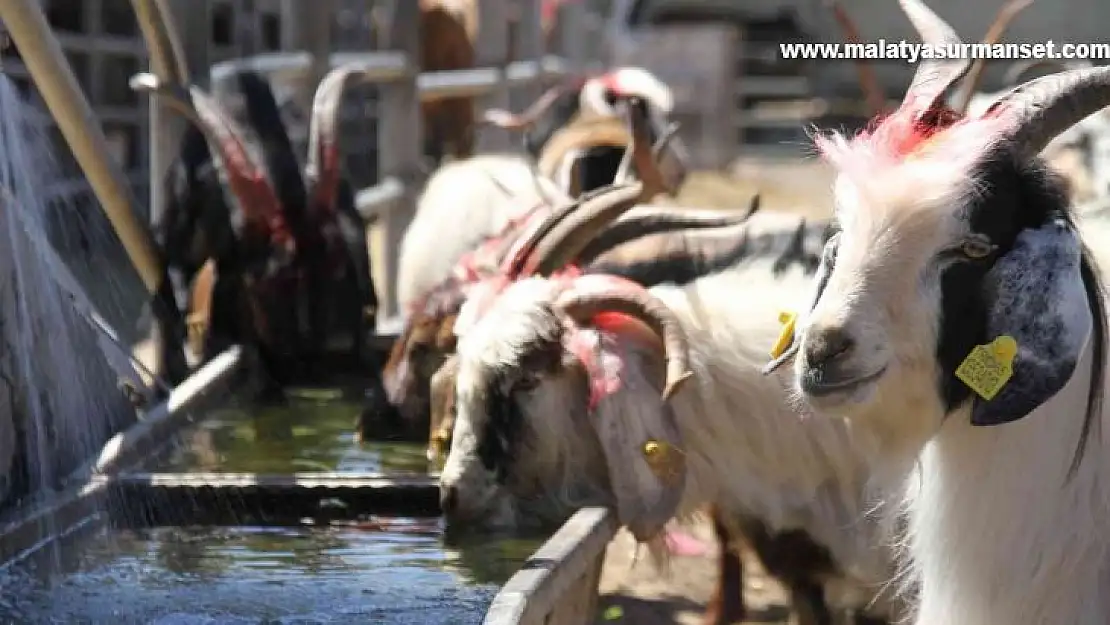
x=558, y=584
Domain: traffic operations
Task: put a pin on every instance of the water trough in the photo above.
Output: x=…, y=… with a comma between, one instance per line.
x=100, y=527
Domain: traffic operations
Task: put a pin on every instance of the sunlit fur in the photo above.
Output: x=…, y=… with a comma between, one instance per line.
x=462, y=204
x=745, y=447
x=997, y=533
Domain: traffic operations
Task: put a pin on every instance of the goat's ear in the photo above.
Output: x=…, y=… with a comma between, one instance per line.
x=1036, y=295
x=638, y=434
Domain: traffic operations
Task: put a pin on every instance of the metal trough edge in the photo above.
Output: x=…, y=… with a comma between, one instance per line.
x=57, y=511
x=153, y=499
x=558, y=584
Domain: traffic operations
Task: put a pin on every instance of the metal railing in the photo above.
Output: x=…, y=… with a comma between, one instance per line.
x=389, y=205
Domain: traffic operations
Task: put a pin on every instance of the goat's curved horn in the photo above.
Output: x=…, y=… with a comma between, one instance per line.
x=643, y=153
x=568, y=230
x=523, y=121
x=997, y=28
x=642, y=305
x=934, y=77
x=245, y=177
x=657, y=221
x=1018, y=69
x=322, y=168
x=1047, y=106
x=754, y=204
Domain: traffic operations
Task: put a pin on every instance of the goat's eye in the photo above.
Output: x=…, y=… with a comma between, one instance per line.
x=977, y=247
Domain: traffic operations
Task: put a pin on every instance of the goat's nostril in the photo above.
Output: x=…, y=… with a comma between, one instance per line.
x=828, y=345
x=448, y=499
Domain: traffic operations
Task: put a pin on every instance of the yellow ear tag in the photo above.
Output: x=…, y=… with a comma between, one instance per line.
x=988, y=367
x=665, y=460
x=787, y=320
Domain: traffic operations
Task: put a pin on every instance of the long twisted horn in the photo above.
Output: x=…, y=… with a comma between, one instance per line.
x=1045, y=107
x=248, y=182
x=642, y=305
x=563, y=236
x=657, y=221
x=322, y=168
x=523, y=121
x=934, y=77
x=997, y=28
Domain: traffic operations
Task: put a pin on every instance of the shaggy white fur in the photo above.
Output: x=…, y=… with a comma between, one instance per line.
x=998, y=532
x=744, y=445
x=463, y=203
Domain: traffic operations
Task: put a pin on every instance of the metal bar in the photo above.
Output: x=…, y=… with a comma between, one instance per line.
x=170, y=60
x=59, y=89
x=308, y=27
x=400, y=134
x=393, y=67
x=372, y=202
x=165, y=418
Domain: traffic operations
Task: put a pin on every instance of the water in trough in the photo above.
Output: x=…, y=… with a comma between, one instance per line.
x=58, y=405
x=383, y=570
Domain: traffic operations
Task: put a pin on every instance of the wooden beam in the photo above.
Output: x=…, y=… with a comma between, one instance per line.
x=307, y=26
x=193, y=19
x=493, y=50
x=399, y=148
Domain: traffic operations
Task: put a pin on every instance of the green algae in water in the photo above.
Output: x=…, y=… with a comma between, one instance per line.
x=250, y=575
x=314, y=431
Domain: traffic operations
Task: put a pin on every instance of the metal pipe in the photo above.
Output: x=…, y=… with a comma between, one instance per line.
x=58, y=86
x=167, y=57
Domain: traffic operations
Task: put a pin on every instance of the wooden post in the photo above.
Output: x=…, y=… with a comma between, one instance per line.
x=572, y=44
x=492, y=50
x=307, y=26
x=399, y=148
x=530, y=47
x=193, y=19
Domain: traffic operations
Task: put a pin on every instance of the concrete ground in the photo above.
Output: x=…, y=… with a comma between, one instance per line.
x=635, y=592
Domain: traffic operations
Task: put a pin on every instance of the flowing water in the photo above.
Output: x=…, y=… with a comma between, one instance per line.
x=256, y=576
x=57, y=404
x=376, y=570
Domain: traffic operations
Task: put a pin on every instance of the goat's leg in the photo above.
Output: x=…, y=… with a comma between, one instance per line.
x=807, y=600
x=800, y=564
x=727, y=605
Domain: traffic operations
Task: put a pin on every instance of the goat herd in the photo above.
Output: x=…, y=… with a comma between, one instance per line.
x=928, y=428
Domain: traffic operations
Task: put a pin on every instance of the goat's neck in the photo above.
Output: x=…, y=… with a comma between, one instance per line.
x=998, y=533
x=746, y=447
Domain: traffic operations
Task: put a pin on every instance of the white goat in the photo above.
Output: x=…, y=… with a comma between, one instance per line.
x=558, y=405
x=955, y=235
x=465, y=202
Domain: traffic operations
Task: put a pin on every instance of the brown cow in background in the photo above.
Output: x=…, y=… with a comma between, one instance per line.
x=449, y=29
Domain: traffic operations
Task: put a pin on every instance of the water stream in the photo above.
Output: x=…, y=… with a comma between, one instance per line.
x=57, y=401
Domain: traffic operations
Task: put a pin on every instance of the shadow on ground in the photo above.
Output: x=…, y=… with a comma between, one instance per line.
x=617, y=609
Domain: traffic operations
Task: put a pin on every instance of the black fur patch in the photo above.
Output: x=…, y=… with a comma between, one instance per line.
x=787, y=248
x=501, y=436
x=1011, y=199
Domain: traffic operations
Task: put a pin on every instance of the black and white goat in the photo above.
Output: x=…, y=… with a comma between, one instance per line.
x=568, y=392
x=958, y=246
x=239, y=208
